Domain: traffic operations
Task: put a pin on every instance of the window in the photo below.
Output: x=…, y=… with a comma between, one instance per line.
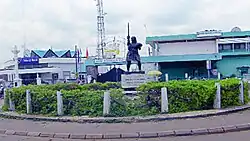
x=240, y=46
x=225, y=47
x=66, y=74
x=220, y=47
x=248, y=46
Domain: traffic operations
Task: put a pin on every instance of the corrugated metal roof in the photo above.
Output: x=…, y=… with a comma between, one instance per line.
x=72, y=53
x=193, y=36
x=61, y=52
x=40, y=53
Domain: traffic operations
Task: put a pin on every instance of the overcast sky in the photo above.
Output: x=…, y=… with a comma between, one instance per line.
x=64, y=23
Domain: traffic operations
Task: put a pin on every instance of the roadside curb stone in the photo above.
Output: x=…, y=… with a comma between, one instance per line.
x=166, y=134
x=112, y=136
x=33, y=134
x=130, y=135
x=183, y=132
x=48, y=135
x=200, y=131
x=230, y=128
x=148, y=135
x=94, y=136
x=77, y=136
x=21, y=133
x=10, y=132
x=243, y=126
x=62, y=135
x=216, y=130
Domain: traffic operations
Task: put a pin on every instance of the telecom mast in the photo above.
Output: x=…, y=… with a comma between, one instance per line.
x=100, y=29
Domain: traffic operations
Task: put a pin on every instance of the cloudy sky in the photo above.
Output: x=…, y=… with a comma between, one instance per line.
x=64, y=23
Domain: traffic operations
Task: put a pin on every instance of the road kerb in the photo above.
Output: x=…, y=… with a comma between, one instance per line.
x=183, y=132
x=62, y=135
x=201, y=131
x=148, y=135
x=160, y=134
x=243, y=126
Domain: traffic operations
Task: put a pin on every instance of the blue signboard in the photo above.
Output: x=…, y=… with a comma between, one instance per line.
x=28, y=61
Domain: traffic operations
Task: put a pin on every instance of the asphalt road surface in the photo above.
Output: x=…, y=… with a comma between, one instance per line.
x=242, y=136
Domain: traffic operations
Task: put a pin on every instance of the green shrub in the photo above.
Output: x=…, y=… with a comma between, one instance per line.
x=230, y=93
x=79, y=100
x=190, y=95
x=127, y=106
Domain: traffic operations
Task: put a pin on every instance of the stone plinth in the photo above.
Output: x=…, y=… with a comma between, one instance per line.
x=134, y=79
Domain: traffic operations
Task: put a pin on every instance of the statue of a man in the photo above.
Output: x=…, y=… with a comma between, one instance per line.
x=133, y=53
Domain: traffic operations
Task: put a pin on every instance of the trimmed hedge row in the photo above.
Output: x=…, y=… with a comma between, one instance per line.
x=193, y=95
x=88, y=99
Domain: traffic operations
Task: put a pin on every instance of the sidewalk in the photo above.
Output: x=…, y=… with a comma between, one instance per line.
x=76, y=128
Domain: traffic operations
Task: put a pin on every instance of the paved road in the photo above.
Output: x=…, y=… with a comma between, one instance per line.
x=242, y=136
x=56, y=127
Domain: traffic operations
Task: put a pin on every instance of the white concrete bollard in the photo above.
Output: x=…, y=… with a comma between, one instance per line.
x=28, y=102
x=217, y=101
x=38, y=81
x=164, y=100
x=219, y=76
x=241, y=95
x=106, y=103
x=4, y=97
x=59, y=104
x=186, y=75
x=12, y=105
x=166, y=77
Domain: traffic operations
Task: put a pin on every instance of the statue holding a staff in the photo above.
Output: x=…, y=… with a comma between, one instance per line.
x=133, y=51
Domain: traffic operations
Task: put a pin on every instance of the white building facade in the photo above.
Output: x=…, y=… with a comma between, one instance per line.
x=50, y=69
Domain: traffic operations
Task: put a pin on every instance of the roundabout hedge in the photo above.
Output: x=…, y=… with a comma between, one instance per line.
x=87, y=100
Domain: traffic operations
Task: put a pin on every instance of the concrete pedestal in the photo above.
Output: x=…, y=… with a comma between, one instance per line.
x=134, y=79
